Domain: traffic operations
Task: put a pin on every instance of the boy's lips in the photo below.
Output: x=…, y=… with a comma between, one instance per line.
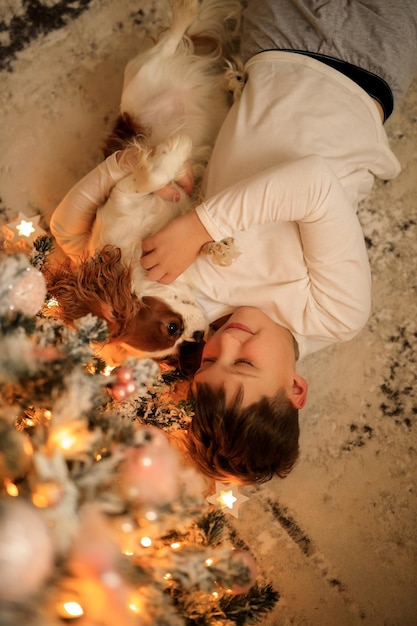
x=240, y=327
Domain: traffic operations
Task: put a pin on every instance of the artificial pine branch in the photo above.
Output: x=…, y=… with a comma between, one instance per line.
x=249, y=608
x=50, y=381
x=42, y=248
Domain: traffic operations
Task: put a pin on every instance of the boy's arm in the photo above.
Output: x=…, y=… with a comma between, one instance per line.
x=72, y=220
x=307, y=192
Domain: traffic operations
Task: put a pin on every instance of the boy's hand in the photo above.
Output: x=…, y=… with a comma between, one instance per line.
x=169, y=252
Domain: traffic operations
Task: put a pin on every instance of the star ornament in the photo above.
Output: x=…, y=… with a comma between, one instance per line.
x=26, y=228
x=228, y=497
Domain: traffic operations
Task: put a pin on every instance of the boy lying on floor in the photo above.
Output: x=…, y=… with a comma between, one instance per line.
x=296, y=154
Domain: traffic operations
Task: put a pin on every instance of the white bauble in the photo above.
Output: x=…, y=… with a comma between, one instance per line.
x=27, y=294
x=26, y=550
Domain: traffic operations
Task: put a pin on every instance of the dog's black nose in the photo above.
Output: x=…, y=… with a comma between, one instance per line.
x=198, y=335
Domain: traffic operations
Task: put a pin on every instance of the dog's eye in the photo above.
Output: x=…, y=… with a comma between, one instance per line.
x=172, y=328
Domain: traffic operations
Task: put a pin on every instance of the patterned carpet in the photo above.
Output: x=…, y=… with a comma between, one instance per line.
x=337, y=538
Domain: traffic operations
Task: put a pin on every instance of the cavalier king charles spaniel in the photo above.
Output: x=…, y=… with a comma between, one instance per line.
x=175, y=97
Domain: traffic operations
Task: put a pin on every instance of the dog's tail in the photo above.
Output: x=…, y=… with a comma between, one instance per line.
x=219, y=21
x=184, y=13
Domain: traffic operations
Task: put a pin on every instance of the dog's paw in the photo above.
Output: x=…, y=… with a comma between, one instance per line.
x=171, y=156
x=142, y=169
x=162, y=164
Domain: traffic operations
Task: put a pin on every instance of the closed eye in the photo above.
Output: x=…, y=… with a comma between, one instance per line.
x=240, y=367
x=237, y=362
x=244, y=361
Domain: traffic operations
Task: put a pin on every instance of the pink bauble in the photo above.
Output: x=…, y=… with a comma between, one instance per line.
x=26, y=551
x=130, y=388
x=118, y=392
x=150, y=471
x=123, y=374
x=122, y=390
x=247, y=559
x=94, y=551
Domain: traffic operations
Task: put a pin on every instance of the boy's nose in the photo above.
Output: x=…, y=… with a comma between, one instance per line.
x=229, y=343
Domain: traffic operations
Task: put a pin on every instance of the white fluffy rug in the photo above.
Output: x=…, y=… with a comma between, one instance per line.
x=338, y=537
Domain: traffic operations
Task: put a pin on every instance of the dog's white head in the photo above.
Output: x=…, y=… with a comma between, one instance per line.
x=169, y=316
x=179, y=299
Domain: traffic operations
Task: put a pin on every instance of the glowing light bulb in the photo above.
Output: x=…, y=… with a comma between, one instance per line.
x=40, y=500
x=64, y=438
x=46, y=494
x=208, y=562
x=70, y=610
x=175, y=545
x=136, y=604
x=226, y=498
x=66, y=441
x=146, y=542
x=11, y=488
x=25, y=229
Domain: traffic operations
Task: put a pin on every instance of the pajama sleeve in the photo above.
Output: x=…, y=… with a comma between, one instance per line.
x=73, y=218
x=306, y=192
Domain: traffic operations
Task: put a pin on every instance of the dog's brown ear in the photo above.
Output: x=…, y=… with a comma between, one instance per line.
x=100, y=285
x=122, y=135
x=64, y=286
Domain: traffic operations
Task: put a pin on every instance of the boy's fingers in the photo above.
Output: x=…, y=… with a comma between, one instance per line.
x=158, y=275
x=149, y=260
x=147, y=246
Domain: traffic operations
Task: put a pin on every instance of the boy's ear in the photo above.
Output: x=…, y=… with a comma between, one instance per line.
x=299, y=392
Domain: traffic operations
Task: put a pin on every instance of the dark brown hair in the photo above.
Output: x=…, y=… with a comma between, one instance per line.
x=247, y=445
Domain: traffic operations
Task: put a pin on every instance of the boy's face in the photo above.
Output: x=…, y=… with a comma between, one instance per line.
x=252, y=351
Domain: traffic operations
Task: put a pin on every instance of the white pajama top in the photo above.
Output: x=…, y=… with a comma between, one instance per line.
x=294, y=157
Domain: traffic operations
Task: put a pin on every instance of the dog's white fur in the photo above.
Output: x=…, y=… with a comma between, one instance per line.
x=169, y=89
x=132, y=212
x=179, y=100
